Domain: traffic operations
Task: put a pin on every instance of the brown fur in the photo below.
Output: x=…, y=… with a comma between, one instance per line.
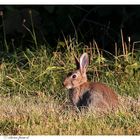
x=89, y=94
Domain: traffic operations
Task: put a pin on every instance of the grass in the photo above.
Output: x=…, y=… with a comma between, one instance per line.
x=34, y=102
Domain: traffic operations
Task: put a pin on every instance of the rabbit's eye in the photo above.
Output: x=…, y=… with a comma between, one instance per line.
x=74, y=76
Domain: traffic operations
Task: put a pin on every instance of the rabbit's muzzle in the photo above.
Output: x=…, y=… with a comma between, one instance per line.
x=66, y=84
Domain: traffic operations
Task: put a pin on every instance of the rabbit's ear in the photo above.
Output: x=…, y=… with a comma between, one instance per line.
x=77, y=63
x=84, y=62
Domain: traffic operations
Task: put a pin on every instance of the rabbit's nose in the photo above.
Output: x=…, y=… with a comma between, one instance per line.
x=64, y=83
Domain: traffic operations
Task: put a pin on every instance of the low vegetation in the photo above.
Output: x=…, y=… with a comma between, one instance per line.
x=34, y=102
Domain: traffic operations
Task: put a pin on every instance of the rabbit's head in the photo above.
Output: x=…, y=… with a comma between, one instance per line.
x=78, y=77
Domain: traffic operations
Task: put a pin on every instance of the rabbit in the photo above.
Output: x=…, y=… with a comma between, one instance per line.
x=82, y=93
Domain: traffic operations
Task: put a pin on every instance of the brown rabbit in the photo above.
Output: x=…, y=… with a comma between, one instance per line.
x=88, y=94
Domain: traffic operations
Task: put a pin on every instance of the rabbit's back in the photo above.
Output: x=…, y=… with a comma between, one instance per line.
x=97, y=95
x=103, y=96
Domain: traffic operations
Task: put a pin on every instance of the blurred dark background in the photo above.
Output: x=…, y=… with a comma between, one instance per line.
x=52, y=22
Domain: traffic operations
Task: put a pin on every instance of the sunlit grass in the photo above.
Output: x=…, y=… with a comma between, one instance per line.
x=33, y=100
